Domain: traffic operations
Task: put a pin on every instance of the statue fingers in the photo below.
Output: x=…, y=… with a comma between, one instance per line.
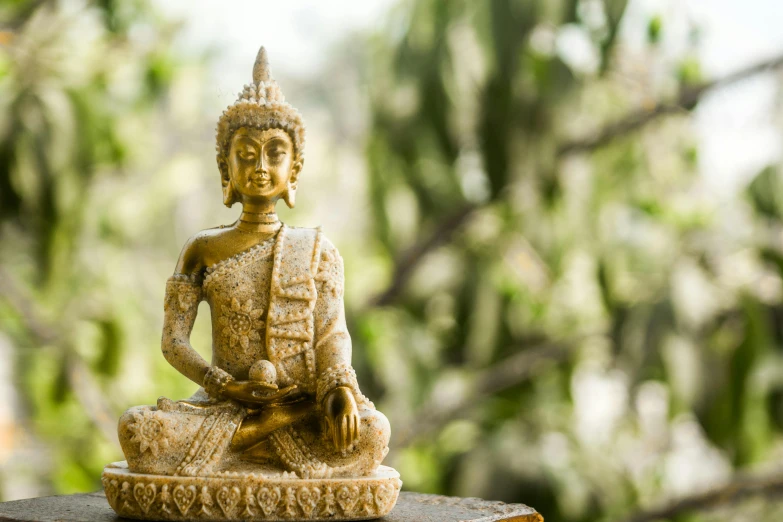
x=333, y=433
x=355, y=419
x=344, y=432
x=234, y=393
x=265, y=386
x=348, y=431
x=271, y=397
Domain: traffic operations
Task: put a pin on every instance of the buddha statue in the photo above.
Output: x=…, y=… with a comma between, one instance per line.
x=279, y=428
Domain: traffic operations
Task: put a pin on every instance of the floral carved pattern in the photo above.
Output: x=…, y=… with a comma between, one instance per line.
x=308, y=498
x=347, y=496
x=268, y=499
x=228, y=499
x=165, y=499
x=250, y=503
x=187, y=297
x=150, y=431
x=162, y=499
x=241, y=323
x=328, y=505
x=205, y=498
x=185, y=293
x=144, y=495
x=184, y=498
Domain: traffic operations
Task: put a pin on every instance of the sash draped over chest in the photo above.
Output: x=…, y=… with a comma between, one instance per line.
x=289, y=299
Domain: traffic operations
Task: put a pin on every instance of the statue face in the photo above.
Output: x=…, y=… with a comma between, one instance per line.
x=261, y=164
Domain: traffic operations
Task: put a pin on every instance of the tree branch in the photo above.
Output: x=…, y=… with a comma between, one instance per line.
x=735, y=491
x=685, y=101
x=409, y=260
x=514, y=370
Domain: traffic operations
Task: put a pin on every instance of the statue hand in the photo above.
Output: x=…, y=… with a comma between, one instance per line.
x=247, y=391
x=342, y=417
x=215, y=381
x=255, y=392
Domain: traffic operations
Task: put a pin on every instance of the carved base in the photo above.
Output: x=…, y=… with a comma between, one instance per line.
x=249, y=496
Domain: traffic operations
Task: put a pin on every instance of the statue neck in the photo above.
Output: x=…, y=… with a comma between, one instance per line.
x=265, y=218
x=258, y=207
x=258, y=218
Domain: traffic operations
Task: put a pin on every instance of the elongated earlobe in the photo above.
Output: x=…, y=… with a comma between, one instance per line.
x=229, y=195
x=293, y=182
x=290, y=196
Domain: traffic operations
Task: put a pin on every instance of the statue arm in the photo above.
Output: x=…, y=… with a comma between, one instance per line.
x=337, y=390
x=332, y=340
x=183, y=295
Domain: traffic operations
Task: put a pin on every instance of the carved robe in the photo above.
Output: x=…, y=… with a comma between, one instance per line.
x=281, y=301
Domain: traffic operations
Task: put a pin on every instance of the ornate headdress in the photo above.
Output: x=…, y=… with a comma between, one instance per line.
x=260, y=105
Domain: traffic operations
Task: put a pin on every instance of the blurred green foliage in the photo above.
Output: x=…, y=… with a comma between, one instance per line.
x=79, y=85
x=588, y=331
x=618, y=253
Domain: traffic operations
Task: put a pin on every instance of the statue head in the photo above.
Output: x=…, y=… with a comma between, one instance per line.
x=260, y=142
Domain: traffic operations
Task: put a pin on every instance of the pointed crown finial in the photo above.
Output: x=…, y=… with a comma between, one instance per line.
x=261, y=72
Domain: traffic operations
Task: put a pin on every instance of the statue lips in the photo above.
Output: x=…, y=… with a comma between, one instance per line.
x=260, y=181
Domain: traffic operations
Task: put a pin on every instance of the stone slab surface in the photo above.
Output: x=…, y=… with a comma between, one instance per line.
x=93, y=507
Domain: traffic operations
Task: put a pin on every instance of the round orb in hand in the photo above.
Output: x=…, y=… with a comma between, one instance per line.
x=263, y=371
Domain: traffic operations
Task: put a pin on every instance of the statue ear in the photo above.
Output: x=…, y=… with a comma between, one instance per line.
x=293, y=182
x=229, y=196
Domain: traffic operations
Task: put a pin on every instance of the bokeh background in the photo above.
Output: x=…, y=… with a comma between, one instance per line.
x=562, y=224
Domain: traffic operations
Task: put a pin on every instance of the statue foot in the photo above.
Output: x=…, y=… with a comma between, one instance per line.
x=262, y=452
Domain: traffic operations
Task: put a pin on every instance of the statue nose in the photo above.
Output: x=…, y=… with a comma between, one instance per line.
x=260, y=166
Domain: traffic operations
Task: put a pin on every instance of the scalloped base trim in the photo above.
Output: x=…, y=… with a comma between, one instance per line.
x=245, y=496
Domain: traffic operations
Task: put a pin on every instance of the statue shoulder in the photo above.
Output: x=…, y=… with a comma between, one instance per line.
x=192, y=258
x=327, y=247
x=314, y=236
